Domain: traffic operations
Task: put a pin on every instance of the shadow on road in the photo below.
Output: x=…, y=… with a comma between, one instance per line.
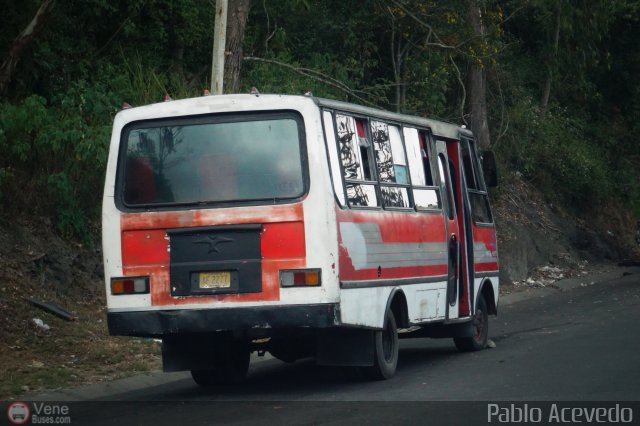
x=275, y=380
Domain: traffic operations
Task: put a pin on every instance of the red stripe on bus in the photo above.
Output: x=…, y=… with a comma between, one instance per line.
x=400, y=227
x=149, y=247
x=205, y=217
x=486, y=267
x=348, y=273
x=283, y=240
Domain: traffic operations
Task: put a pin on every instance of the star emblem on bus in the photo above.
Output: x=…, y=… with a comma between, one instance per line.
x=213, y=241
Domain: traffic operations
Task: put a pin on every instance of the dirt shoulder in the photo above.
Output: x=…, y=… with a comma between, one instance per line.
x=540, y=243
x=40, y=351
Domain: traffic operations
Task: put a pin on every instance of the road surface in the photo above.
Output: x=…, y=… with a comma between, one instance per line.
x=580, y=345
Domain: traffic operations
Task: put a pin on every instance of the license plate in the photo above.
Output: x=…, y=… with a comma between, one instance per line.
x=215, y=280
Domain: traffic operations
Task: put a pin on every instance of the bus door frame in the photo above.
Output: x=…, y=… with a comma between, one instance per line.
x=459, y=227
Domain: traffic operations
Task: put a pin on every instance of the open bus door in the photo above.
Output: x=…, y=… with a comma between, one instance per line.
x=455, y=229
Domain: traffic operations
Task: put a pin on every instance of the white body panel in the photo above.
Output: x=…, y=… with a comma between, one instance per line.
x=360, y=307
x=366, y=307
x=318, y=205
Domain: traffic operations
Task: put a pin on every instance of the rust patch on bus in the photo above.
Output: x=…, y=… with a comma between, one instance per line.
x=145, y=247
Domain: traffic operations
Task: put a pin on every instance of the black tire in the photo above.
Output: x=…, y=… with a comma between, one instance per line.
x=385, y=347
x=480, y=324
x=230, y=367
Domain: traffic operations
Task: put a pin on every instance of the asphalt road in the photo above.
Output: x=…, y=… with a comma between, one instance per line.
x=578, y=345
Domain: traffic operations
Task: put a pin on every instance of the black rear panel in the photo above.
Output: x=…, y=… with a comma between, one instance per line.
x=215, y=260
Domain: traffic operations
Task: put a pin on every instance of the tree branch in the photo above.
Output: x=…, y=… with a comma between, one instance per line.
x=25, y=38
x=504, y=127
x=315, y=75
x=525, y=4
x=439, y=42
x=120, y=28
x=464, y=90
x=275, y=29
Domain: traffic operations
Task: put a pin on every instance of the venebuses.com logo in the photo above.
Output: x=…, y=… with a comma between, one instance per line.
x=18, y=413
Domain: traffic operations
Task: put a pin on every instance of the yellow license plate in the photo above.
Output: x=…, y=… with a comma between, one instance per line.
x=215, y=279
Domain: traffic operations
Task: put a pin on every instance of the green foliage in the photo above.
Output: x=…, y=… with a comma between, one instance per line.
x=53, y=156
x=402, y=55
x=559, y=152
x=71, y=220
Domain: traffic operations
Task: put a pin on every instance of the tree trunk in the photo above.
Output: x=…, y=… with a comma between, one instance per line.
x=551, y=62
x=477, y=80
x=236, y=23
x=25, y=38
x=395, y=62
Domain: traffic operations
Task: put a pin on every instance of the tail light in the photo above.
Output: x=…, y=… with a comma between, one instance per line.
x=129, y=285
x=300, y=278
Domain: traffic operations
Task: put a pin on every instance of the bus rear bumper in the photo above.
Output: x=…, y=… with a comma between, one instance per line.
x=165, y=322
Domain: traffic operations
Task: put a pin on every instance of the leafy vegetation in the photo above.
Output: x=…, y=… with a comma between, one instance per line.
x=561, y=83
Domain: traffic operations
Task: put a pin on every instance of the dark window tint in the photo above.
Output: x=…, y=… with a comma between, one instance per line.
x=469, y=172
x=425, y=157
x=202, y=162
x=448, y=193
x=478, y=197
x=480, y=207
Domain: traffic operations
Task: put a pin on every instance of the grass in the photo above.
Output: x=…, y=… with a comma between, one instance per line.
x=70, y=353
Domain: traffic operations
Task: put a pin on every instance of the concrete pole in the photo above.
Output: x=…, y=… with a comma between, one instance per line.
x=219, y=43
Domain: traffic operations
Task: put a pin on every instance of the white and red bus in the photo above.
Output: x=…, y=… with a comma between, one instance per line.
x=294, y=225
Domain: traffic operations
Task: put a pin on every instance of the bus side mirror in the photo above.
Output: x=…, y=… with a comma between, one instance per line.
x=489, y=168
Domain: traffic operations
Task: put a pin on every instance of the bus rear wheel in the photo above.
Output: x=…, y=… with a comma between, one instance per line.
x=386, y=347
x=480, y=324
x=230, y=366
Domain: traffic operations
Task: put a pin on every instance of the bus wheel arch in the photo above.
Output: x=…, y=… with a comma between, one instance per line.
x=486, y=290
x=397, y=303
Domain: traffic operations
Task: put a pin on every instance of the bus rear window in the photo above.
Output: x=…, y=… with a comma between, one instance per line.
x=200, y=162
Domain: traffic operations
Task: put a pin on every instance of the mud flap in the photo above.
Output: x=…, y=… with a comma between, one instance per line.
x=345, y=347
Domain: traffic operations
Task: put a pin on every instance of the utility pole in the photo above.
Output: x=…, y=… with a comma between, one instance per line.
x=219, y=44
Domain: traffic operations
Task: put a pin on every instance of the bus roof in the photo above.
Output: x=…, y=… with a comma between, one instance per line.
x=239, y=102
x=439, y=128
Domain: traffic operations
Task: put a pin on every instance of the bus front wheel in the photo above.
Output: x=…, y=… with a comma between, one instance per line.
x=480, y=324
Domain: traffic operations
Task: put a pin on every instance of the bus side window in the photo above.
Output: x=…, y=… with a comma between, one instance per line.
x=478, y=196
x=332, y=146
x=445, y=178
x=353, y=148
x=391, y=164
x=469, y=173
x=425, y=194
x=424, y=138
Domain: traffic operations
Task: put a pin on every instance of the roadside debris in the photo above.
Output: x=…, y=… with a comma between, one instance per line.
x=54, y=309
x=40, y=324
x=542, y=276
